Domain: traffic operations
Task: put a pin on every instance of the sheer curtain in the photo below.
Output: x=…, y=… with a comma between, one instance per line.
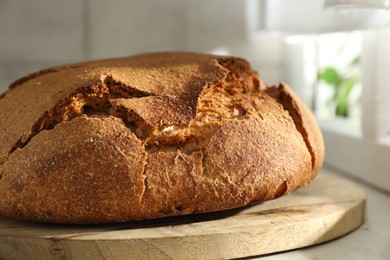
x=375, y=66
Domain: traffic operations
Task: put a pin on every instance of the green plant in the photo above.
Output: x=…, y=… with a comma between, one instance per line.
x=342, y=83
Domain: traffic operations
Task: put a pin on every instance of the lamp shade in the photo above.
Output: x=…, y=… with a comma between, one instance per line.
x=347, y=4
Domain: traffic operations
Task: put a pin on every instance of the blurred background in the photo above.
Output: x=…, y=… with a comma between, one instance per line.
x=42, y=33
x=314, y=48
x=335, y=53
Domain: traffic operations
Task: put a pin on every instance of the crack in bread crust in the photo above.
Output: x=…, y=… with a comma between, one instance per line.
x=65, y=111
x=120, y=90
x=145, y=178
x=93, y=100
x=283, y=96
x=215, y=106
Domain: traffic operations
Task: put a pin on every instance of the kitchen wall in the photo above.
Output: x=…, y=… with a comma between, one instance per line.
x=42, y=33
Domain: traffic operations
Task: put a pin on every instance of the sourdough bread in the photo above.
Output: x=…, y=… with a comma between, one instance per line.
x=149, y=136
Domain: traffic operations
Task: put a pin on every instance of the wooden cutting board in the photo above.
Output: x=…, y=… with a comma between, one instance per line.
x=328, y=208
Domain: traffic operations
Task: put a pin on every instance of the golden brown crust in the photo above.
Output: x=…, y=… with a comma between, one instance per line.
x=304, y=121
x=149, y=136
x=80, y=177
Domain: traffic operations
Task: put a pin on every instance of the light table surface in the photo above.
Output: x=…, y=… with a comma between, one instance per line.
x=370, y=241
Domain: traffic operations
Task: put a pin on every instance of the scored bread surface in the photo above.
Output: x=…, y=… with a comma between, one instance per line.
x=150, y=136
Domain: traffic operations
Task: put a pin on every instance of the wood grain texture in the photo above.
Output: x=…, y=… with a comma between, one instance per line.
x=326, y=209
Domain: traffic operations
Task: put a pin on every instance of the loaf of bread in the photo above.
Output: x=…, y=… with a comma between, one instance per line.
x=150, y=136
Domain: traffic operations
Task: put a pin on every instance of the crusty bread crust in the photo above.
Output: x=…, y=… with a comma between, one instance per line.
x=150, y=136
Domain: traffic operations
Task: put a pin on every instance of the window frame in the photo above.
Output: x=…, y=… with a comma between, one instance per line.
x=358, y=148
x=347, y=150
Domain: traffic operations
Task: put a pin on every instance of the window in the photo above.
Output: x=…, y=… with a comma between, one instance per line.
x=351, y=100
x=362, y=148
x=357, y=139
